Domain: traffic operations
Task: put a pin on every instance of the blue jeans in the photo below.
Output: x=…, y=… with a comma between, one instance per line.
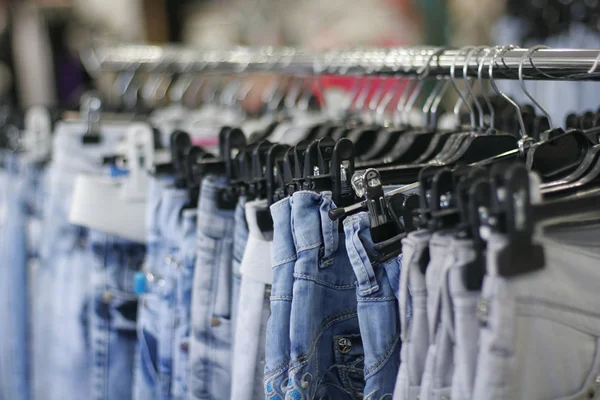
x=255, y=291
x=378, y=313
x=240, y=238
x=18, y=256
x=170, y=227
x=327, y=356
x=277, y=354
x=61, y=337
x=211, y=337
x=146, y=365
x=113, y=315
x=183, y=303
x=413, y=316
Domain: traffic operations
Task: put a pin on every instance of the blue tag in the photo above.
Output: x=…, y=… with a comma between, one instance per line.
x=140, y=283
x=116, y=171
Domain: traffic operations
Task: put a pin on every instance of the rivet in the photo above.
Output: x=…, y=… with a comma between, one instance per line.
x=344, y=345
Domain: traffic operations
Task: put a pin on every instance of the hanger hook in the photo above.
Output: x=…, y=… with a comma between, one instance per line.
x=480, y=66
x=503, y=50
x=529, y=54
x=595, y=66
x=460, y=93
x=470, y=88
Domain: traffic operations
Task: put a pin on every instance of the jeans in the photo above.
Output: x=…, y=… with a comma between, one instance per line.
x=183, y=303
x=327, y=356
x=277, y=353
x=146, y=368
x=378, y=313
x=61, y=338
x=540, y=331
x=170, y=227
x=240, y=238
x=253, y=310
x=439, y=368
x=465, y=328
x=113, y=315
x=22, y=211
x=211, y=337
x=413, y=304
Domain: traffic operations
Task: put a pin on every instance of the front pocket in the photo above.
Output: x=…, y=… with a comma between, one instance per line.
x=350, y=360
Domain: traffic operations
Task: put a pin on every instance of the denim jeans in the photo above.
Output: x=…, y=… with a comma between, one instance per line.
x=439, y=366
x=465, y=328
x=277, y=352
x=22, y=213
x=113, y=315
x=240, y=238
x=540, y=331
x=327, y=356
x=253, y=310
x=413, y=317
x=170, y=225
x=183, y=303
x=378, y=313
x=61, y=337
x=211, y=337
x=146, y=366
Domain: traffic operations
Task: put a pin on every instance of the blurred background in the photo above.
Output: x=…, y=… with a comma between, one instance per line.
x=40, y=40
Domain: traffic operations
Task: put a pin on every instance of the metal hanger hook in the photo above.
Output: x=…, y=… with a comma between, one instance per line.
x=484, y=92
x=458, y=91
x=529, y=54
x=470, y=88
x=503, y=50
x=595, y=66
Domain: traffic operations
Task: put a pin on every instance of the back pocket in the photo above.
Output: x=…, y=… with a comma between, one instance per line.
x=350, y=359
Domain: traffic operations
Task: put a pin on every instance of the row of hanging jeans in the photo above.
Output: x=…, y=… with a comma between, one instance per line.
x=240, y=294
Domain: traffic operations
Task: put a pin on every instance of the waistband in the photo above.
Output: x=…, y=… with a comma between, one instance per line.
x=311, y=224
x=214, y=221
x=189, y=218
x=156, y=187
x=284, y=249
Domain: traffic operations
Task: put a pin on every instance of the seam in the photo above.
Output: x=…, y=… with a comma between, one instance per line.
x=281, y=298
x=323, y=283
x=309, y=247
x=376, y=299
x=284, y=261
x=382, y=361
x=277, y=371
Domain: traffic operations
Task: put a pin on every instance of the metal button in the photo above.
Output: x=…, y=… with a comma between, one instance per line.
x=344, y=345
x=214, y=321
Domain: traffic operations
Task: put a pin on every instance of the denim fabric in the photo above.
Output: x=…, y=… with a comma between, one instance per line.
x=183, y=303
x=211, y=337
x=15, y=254
x=378, y=313
x=415, y=333
x=240, y=238
x=327, y=357
x=253, y=310
x=278, y=350
x=113, y=315
x=61, y=337
x=439, y=364
x=540, y=331
x=170, y=225
x=463, y=304
x=146, y=368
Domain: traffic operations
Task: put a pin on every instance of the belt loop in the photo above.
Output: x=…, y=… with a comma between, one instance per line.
x=329, y=229
x=363, y=269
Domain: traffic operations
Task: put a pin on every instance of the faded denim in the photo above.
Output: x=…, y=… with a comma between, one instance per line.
x=61, y=337
x=439, y=364
x=146, y=366
x=211, y=337
x=183, y=304
x=327, y=356
x=170, y=225
x=253, y=310
x=240, y=238
x=540, y=332
x=378, y=313
x=278, y=350
x=413, y=317
x=113, y=315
